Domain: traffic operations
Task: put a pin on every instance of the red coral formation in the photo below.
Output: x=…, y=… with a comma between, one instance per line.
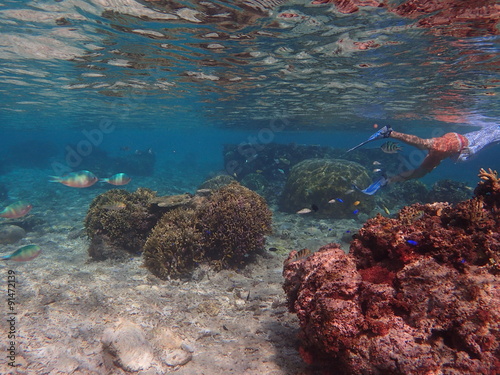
x=418, y=294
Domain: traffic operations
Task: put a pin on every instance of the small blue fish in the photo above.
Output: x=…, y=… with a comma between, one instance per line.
x=355, y=212
x=340, y=200
x=411, y=242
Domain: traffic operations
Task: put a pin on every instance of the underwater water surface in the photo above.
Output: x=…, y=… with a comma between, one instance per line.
x=173, y=93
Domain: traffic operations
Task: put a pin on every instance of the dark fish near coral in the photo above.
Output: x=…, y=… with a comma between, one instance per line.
x=301, y=254
x=16, y=210
x=390, y=147
x=24, y=253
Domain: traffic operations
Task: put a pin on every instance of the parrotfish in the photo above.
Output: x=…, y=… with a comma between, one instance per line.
x=304, y=211
x=117, y=179
x=16, y=210
x=23, y=254
x=81, y=179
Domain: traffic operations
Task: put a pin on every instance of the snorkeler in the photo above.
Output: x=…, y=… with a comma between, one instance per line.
x=451, y=145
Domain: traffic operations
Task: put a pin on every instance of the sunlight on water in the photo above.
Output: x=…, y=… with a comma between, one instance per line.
x=235, y=64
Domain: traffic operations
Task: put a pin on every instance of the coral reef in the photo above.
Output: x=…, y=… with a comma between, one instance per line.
x=489, y=188
x=234, y=222
x=257, y=183
x=174, y=246
x=317, y=181
x=409, y=192
x=118, y=220
x=416, y=294
x=216, y=182
x=448, y=191
x=224, y=228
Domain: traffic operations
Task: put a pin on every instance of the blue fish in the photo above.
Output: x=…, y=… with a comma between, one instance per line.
x=340, y=200
x=355, y=212
x=411, y=242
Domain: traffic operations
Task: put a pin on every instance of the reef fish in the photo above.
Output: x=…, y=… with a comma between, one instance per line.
x=301, y=254
x=24, y=253
x=117, y=179
x=16, y=210
x=304, y=211
x=81, y=179
x=390, y=147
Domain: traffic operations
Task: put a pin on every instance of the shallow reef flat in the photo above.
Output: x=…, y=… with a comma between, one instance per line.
x=70, y=308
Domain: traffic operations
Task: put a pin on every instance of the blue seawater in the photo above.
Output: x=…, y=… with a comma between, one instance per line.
x=156, y=89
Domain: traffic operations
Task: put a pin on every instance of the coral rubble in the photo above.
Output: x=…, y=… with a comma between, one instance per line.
x=417, y=294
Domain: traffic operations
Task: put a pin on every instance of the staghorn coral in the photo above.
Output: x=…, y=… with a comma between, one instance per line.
x=234, y=222
x=417, y=294
x=118, y=220
x=174, y=246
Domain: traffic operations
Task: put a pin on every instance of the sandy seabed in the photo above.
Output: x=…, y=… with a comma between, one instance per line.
x=75, y=316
